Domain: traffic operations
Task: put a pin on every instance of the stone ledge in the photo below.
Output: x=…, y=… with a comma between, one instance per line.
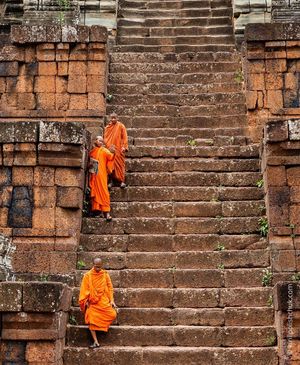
x=272, y=32
x=281, y=131
x=43, y=132
x=55, y=34
x=34, y=297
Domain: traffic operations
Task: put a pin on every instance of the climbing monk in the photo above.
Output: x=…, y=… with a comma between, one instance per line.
x=96, y=300
x=115, y=134
x=99, y=160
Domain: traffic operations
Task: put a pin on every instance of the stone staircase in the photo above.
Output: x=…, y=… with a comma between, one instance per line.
x=184, y=250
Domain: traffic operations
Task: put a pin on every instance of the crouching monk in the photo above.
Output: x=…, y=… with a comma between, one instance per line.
x=96, y=300
x=99, y=161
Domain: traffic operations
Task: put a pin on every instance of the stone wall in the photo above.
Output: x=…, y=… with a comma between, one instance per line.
x=272, y=70
x=55, y=73
x=33, y=321
x=287, y=320
x=41, y=194
x=281, y=171
x=248, y=12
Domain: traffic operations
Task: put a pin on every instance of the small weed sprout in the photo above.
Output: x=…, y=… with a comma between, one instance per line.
x=192, y=142
x=81, y=264
x=43, y=277
x=267, y=277
x=263, y=226
x=221, y=266
x=220, y=247
x=109, y=98
x=271, y=340
x=296, y=276
x=270, y=301
x=239, y=77
x=72, y=320
x=260, y=183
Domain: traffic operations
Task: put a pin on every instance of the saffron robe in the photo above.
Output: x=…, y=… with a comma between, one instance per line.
x=97, y=289
x=100, y=197
x=116, y=134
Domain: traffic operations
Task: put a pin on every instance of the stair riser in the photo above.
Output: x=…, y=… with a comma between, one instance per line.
x=198, y=337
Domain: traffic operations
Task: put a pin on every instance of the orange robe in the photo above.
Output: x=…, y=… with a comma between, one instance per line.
x=116, y=134
x=96, y=287
x=98, y=182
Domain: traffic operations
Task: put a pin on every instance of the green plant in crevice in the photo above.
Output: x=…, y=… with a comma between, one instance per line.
x=221, y=266
x=72, y=320
x=81, y=264
x=191, y=142
x=44, y=277
x=220, y=247
x=260, y=183
x=271, y=340
x=239, y=76
x=109, y=98
x=296, y=276
x=267, y=277
x=263, y=226
x=270, y=301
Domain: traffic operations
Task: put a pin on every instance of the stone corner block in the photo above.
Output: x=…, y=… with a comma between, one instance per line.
x=276, y=131
x=286, y=296
x=294, y=129
x=46, y=297
x=11, y=294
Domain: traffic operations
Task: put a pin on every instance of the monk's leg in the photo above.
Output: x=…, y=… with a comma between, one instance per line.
x=94, y=335
x=106, y=212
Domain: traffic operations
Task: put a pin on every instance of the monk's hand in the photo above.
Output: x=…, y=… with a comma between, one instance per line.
x=113, y=304
x=123, y=149
x=112, y=148
x=87, y=304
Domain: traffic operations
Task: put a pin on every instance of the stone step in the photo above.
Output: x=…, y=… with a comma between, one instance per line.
x=198, y=336
x=188, y=209
x=228, y=122
x=129, y=57
x=171, y=67
x=174, y=48
x=168, y=278
x=177, y=263
x=234, y=134
x=173, y=32
x=193, y=193
x=178, y=355
x=162, y=78
x=153, y=89
x=173, y=41
x=179, y=111
x=183, y=4
x=205, y=11
x=184, y=140
x=248, y=151
x=174, y=21
x=212, y=295
x=222, y=225
x=186, y=177
x=169, y=243
x=191, y=317
x=180, y=100
x=190, y=164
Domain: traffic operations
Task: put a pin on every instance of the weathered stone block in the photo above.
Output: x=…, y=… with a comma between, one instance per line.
x=12, y=352
x=56, y=297
x=8, y=154
x=9, y=69
x=43, y=176
x=44, y=352
x=77, y=84
x=44, y=196
x=45, y=52
x=47, y=68
x=59, y=154
x=43, y=218
x=78, y=102
x=276, y=131
x=34, y=326
x=25, y=154
x=77, y=68
x=44, y=84
x=26, y=101
x=69, y=177
x=5, y=176
x=26, y=131
x=286, y=294
x=67, y=221
x=96, y=84
x=98, y=33
x=62, y=262
x=22, y=176
x=11, y=297
x=20, y=211
x=96, y=101
x=7, y=132
x=45, y=101
x=69, y=197
x=294, y=129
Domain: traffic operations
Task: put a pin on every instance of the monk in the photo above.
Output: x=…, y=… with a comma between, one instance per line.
x=115, y=134
x=96, y=300
x=99, y=160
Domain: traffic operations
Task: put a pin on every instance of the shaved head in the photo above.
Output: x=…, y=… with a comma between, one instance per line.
x=99, y=141
x=97, y=264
